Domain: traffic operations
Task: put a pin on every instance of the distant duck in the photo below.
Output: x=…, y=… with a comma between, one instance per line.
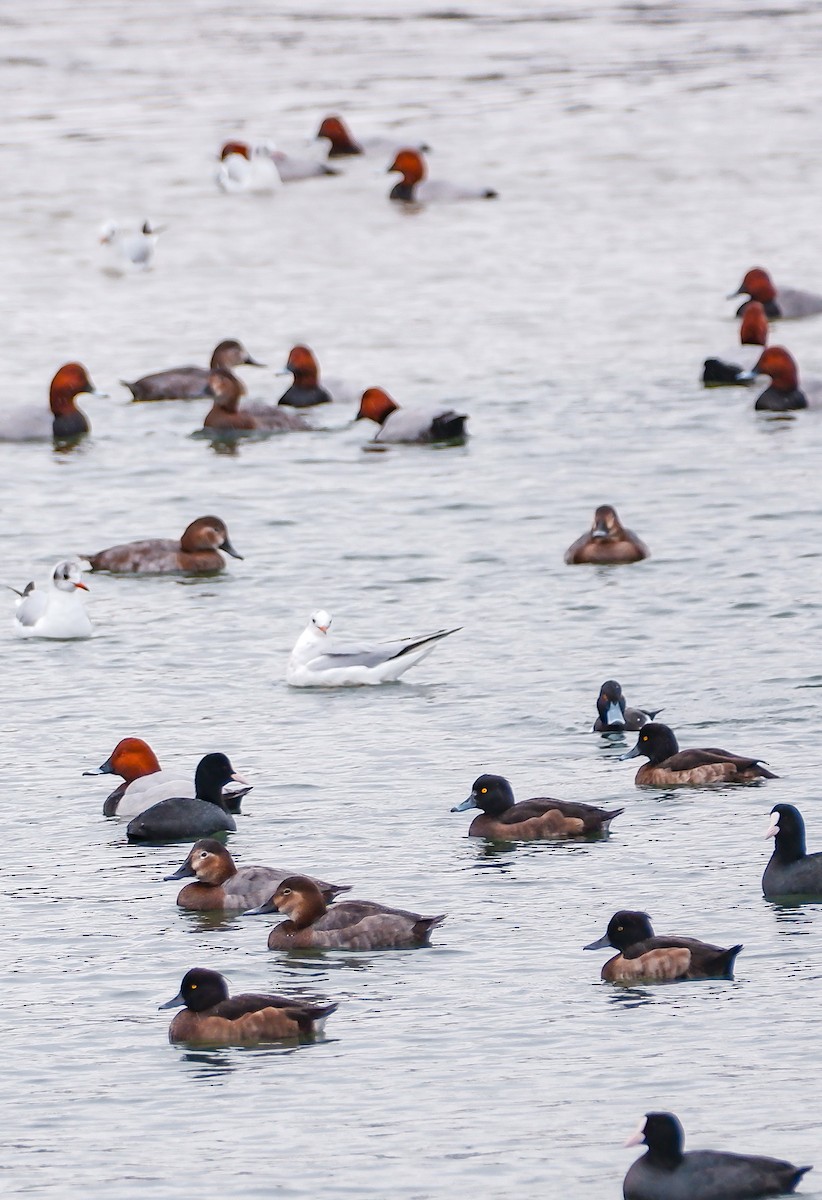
x=197, y=552
x=784, y=393
x=735, y=367
x=436, y=423
x=645, y=957
x=226, y=416
x=56, y=612
x=347, y=925
x=61, y=421
x=183, y=818
x=129, y=249
x=666, y=1172
x=213, y=1018
x=416, y=187
x=222, y=886
x=608, y=542
x=342, y=144
x=539, y=819
x=316, y=662
x=185, y=383
x=668, y=766
x=791, y=871
x=245, y=168
x=305, y=391
x=777, y=302
x=614, y=717
x=293, y=168
x=143, y=778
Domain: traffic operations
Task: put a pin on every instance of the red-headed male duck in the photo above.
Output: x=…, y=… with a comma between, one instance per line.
x=139, y=768
x=348, y=925
x=129, y=249
x=646, y=957
x=226, y=416
x=416, y=187
x=245, y=168
x=186, y=383
x=607, y=543
x=784, y=393
x=213, y=1018
x=670, y=767
x=196, y=553
x=436, y=423
x=305, y=391
x=292, y=168
x=222, y=886
x=56, y=612
x=777, y=301
x=186, y=818
x=342, y=144
x=64, y=421
x=734, y=367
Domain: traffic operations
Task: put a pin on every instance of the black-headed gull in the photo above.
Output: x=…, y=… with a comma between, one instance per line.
x=129, y=249
x=54, y=612
x=315, y=662
x=245, y=168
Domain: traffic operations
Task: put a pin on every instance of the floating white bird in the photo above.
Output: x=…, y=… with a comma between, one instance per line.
x=245, y=168
x=56, y=612
x=129, y=250
x=314, y=662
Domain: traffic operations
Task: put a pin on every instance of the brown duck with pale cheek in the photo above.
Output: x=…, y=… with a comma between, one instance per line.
x=196, y=553
x=226, y=416
x=222, y=886
x=213, y=1018
x=607, y=543
x=349, y=925
x=530, y=820
x=668, y=766
x=645, y=957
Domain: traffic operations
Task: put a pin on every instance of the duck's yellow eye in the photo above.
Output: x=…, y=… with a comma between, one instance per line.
x=645, y=737
x=483, y=790
x=619, y=929
x=194, y=987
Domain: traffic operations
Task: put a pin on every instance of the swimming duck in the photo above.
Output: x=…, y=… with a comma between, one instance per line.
x=784, y=394
x=415, y=186
x=305, y=391
x=315, y=663
x=614, y=717
x=129, y=250
x=213, y=1018
x=139, y=768
x=434, y=424
x=791, y=871
x=226, y=416
x=57, y=612
x=645, y=957
x=343, y=145
x=245, y=168
x=186, y=383
x=64, y=422
x=222, y=886
x=504, y=820
x=348, y=925
x=668, y=766
x=665, y=1172
x=777, y=302
x=735, y=367
x=181, y=818
x=196, y=553
x=292, y=168
x=607, y=543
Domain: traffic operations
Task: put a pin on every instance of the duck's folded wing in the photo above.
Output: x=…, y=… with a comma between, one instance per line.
x=662, y=942
x=350, y=912
x=250, y=1002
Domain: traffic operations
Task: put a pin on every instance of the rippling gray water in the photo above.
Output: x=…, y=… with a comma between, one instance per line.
x=646, y=155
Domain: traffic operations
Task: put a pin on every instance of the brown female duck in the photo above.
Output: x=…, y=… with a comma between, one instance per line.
x=530, y=820
x=668, y=766
x=197, y=552
x=349, y=925
x=226, y=416
x=222, y=886
x=645, y=957
x=187, y=383
x=607, y=543
x=213, y=1018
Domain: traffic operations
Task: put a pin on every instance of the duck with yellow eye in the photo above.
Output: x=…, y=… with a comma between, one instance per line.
x=668, y=766
x=645, y=957
x=530, y=820
x=213, y=1018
